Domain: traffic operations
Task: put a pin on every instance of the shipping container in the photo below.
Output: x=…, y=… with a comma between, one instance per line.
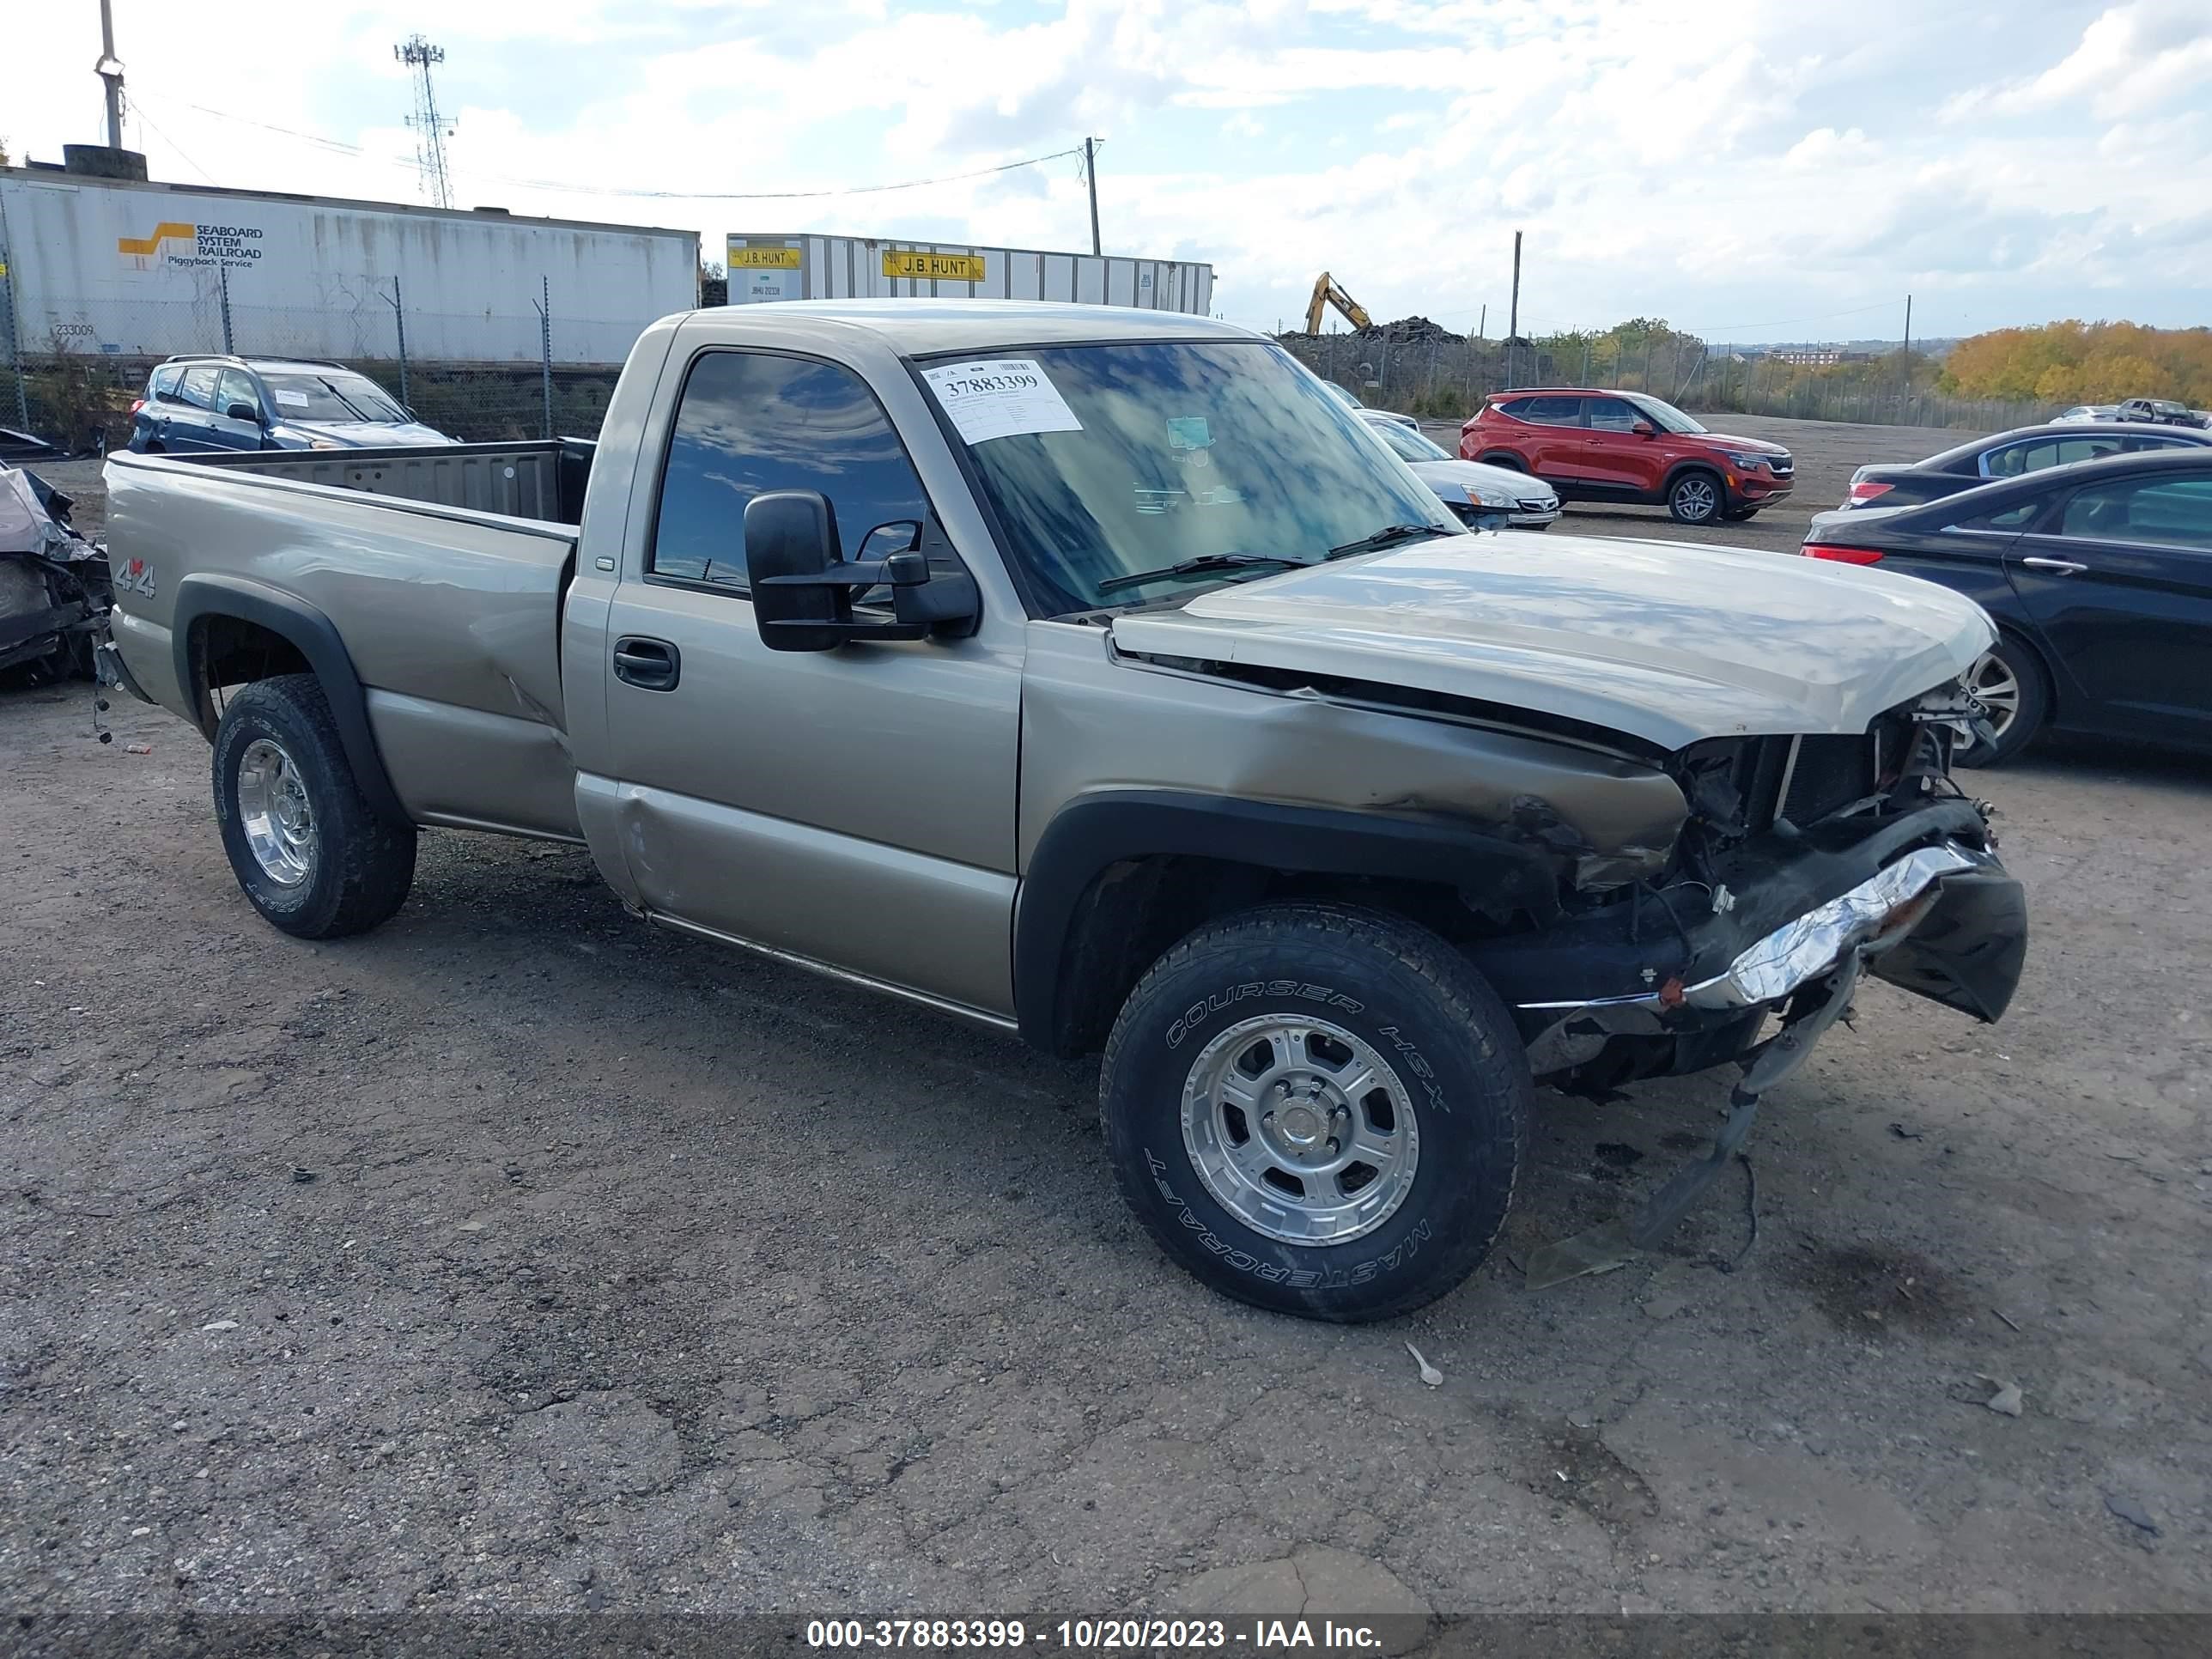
x=105, y=267
x=806, y=266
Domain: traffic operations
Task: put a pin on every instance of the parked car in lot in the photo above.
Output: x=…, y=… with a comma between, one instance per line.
x=1089, y=675
x=1473, y=492
x=2006, y=455
x=1593, y=446
x=2158, y=411
x=259, y=402
x=2086, y=412
x=2098, y=576
x=1361, y=410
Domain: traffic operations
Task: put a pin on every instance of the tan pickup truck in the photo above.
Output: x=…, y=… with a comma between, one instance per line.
x=1097, y=675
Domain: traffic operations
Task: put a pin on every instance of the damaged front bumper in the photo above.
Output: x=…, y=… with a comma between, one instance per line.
x=1922, y=900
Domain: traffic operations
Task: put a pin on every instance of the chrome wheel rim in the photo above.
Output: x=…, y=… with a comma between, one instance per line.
x=1996, y=687
x=1299, y=1129
x=1695, y=499
x=272, y=806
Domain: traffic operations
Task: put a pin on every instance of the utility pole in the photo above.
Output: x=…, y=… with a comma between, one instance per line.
x=1482, y=325
x=431, y=131
x=109, y=69
x=1908, y=325
x=1513, y=320
x=1090, y=178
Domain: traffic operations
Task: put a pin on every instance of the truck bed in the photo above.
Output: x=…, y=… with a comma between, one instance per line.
x=541, y=479
x=441, y=569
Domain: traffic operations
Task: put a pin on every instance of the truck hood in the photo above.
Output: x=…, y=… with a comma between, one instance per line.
x=1663, y=641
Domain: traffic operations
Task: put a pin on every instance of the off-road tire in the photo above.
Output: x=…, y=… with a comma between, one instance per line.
x=2033, y=708
x=362, y=866
x=1410, y=998
x=1682, y=496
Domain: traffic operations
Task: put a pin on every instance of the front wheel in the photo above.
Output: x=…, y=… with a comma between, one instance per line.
x=1318, y=1109
x=1694, y=498
x=2008, y=681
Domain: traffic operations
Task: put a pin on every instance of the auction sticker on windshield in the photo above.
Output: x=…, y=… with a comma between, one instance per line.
x=291, y=399
x=1001, y=397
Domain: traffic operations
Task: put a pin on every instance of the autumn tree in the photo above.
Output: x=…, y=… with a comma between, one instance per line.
x=2076, y=363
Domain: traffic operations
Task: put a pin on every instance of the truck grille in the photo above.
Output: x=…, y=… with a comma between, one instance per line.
x=1831, y=772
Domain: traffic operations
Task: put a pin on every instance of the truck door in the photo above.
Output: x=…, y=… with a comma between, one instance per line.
x=853, y=807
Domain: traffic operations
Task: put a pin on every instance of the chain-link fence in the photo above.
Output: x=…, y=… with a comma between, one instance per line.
x=1433, y=372
x=521, y=367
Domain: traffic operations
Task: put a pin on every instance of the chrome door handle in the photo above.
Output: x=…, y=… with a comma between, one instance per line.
x=2055, y=567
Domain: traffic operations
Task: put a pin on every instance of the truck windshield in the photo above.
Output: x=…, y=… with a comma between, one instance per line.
x=329, y=395
x=1108, y=460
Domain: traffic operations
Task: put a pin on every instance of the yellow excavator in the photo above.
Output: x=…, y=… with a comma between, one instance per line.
x=1330, y=292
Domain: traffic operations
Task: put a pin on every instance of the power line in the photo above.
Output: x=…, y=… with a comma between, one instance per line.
x=138, y=109
x=573, y=189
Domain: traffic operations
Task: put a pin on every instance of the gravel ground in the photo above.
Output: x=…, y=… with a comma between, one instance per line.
x=519, y=1257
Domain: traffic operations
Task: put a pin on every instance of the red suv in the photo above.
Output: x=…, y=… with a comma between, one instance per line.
x=1627, y=446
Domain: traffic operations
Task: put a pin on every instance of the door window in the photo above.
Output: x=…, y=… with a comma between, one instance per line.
x=2016, y=458
x=1613, y=415
x=2165, y=512
x=750, y=423
x=1553, y=411
x=198, y=388
x=165, y=385
x=235, y=387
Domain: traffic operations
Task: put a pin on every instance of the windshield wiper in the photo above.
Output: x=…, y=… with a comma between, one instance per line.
x=1202, y=564
x=342, y=399
x=1388, y=535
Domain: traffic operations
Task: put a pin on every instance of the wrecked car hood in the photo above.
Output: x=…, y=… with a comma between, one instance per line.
x=1663, y=640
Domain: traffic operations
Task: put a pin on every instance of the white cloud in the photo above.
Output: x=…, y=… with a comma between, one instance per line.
x=2130, y=58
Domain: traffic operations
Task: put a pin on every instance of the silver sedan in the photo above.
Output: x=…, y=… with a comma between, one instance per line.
x=1470, y=488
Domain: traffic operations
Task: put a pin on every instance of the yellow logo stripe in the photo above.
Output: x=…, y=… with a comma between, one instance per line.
x=162, y=232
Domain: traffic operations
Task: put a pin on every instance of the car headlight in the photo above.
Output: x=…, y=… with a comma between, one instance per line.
x=1484, y=496
x=1746, y=463
x=324, y=443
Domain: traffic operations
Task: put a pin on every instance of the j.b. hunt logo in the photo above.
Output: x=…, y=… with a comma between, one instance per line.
x=174, y=243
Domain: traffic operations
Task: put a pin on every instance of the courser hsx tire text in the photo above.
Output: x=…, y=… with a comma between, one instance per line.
x=1318, y=1109
x=309, y=853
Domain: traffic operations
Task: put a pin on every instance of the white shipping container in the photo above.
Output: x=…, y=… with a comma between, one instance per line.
x=806, y=266
x=97, y=266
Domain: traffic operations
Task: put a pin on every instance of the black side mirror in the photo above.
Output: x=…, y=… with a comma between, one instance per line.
x=243, y=412
x=802, y=592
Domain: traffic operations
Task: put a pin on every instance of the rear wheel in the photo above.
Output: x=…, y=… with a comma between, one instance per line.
x=1694, y=498
x=2008, y=681
x=1318, y=1109
x=306, y=848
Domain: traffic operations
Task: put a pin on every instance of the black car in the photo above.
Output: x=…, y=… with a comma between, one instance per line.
x=2008, y=455
x=2160, y=411
x=2099, y=577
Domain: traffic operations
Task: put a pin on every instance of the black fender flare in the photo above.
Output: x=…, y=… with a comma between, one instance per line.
x=1092, y=834
x=207, y=596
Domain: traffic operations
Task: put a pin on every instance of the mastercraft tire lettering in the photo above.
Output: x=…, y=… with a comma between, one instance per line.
x=1318, y=1109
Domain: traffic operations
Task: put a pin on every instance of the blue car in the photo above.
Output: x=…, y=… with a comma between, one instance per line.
x=264, y=403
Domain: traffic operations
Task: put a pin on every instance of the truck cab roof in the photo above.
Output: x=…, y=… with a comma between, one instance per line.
x=915, y=328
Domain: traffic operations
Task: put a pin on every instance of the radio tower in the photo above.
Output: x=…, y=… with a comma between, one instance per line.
x=431, y=129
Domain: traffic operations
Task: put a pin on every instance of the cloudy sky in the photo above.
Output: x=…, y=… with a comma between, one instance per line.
x=1750, y=169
